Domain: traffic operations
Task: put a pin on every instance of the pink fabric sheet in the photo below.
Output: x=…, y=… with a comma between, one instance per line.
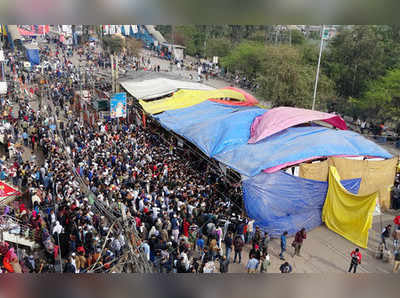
x=278, y=119
x=288, y=164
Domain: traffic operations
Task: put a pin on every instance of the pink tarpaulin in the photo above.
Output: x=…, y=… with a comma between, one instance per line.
x=24, y=32
x=250, y=99
x=288, y=164
x=278, y=119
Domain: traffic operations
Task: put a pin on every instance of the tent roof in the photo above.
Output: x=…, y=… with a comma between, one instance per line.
x=222, y=132
x=279, y=119
x=7, y=191
x=186, y=98
x=158, y=87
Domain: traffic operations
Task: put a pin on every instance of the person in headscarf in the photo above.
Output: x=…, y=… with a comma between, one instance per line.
x=57, y=230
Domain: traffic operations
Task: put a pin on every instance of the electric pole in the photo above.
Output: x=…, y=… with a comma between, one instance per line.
x=319, y=63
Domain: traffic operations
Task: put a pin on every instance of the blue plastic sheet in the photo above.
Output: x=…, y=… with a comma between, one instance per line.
x=33, y=56
x=281, y=202
x=222, y=132
x=215, y=127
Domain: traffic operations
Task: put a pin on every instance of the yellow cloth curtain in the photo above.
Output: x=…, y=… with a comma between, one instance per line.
x=186, y=98
x=375, y=175
x=347, y=214
x=315, y=171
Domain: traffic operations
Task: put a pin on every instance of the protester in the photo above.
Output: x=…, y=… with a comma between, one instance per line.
x=252, y=264
x=386, y=234
x=396, y=265
x=265, y=262
x=223, y=265
x=238, y=245
x=286, y=268
x=355, y=260
x=396, y=238
x=298, y=241
x=283, y=245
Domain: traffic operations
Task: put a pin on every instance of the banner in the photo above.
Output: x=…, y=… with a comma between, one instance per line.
x=347, y=214
x=118, y=106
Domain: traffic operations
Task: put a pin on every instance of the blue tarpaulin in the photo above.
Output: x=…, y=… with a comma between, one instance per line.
x=215, y=126
x=33, y=56
x=222, y=132
x=281, y=202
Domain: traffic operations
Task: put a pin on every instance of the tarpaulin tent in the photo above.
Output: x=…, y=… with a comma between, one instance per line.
x=281, y=202
x=278, y=119
x=25, y=32
x=315, y=171
x=7, y=191
x=177, y=120
x=291, y=145
x=295, y=144
x=220, y=132
x=376, y=176
x=158, y=87
x=348, y=214
x=186, y=98
x=249, y=100
x=32, y=54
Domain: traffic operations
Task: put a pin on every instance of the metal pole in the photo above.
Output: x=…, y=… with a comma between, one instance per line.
x=112, y=73
x=116, y=74
x=59, y=253
x=80, y=81
x=319, y=63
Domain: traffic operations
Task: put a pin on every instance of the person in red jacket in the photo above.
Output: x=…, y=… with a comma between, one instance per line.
x=355, y=260
x=298, y=241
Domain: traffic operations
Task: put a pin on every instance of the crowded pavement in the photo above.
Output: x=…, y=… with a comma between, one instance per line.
x=95, y=193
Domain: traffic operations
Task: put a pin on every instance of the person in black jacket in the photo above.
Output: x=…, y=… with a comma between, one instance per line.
x=223, y=265
x=69, y=268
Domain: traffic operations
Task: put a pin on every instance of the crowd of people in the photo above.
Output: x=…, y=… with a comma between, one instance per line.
x=181, y=209
x=95, y=193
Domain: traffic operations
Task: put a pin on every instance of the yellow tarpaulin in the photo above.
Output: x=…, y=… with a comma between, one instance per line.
x=315, y=171
x=186, y=98
x=375, y=175
x=347, y=214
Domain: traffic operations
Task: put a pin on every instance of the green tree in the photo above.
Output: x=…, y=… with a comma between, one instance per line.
x=245, y=58
x=287, y=81
x=358, y=56
x=218, y=47
x=133, y=46
x=191, y=37
x=297, y=37
x=113, y=44
x=381, y=101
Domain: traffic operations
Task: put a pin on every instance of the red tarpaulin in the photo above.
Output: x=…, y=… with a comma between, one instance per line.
x=40, y=29
x=249, y=99
x=7, y=191
x=24, y=32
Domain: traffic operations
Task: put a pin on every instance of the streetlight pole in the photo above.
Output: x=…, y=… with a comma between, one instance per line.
x=319, y=64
